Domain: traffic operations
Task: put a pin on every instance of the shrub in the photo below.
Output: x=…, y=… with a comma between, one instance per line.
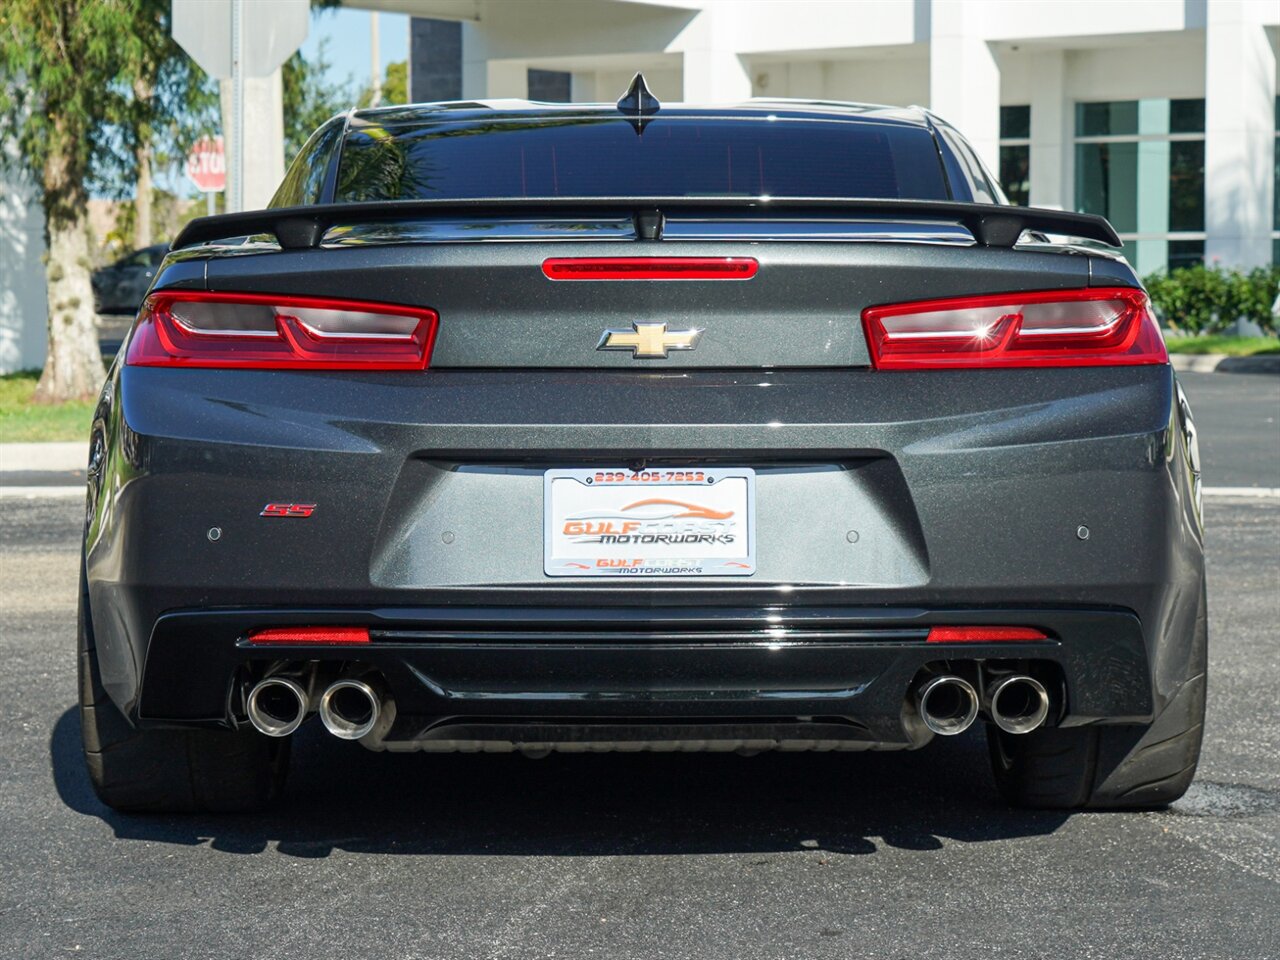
x=1204, y=299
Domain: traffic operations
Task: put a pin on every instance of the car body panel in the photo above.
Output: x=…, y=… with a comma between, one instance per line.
x=1064, y=499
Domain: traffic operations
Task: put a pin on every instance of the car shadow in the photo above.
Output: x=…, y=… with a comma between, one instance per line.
x=343, y=797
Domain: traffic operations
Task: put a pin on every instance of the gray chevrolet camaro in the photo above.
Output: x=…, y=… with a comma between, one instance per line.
x=546, y=427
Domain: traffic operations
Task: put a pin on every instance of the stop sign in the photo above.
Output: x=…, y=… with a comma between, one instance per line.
x=207, y=165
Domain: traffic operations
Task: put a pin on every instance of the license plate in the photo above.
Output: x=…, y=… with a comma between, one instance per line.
x=649, y=523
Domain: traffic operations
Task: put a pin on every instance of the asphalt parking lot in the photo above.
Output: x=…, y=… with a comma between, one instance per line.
x=778, y=856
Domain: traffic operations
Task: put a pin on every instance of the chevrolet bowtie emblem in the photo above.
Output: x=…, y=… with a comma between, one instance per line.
x=648, y=341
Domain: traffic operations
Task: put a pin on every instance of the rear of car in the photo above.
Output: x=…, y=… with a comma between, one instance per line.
x=532, y=427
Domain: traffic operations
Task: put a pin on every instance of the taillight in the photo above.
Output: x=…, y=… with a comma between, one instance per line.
x=324, y=635
x=650, y=268
x=198, y=329
x=1105, y=326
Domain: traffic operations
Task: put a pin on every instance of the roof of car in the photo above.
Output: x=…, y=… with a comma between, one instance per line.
x=489, y=111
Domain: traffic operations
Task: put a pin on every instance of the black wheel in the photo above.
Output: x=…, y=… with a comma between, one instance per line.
x=169, y=771
x=1109, y=767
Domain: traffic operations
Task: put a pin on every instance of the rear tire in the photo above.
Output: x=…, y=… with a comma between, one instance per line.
x=1109, y=767
x=169, y=771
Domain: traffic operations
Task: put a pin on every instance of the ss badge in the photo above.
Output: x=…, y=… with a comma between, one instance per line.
x=288, y=510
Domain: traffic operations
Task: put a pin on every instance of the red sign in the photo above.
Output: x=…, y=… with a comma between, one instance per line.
x=207, y=165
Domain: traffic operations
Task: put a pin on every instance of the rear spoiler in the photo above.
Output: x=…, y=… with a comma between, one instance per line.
x=992, y=225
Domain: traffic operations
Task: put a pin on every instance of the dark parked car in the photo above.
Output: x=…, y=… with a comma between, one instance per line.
x=120, y=287
x=519, y=427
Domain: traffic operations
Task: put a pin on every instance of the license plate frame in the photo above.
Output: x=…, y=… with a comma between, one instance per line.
x=611, y=522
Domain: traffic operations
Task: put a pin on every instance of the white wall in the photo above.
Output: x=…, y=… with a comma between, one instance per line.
x=23, y=307
x=897, y=81
x=1173, y=68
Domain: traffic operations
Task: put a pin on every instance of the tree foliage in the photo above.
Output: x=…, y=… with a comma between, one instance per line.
x=173, y=102
x=88, y=84
x=97, y=78
x=62, y=55
x=309, y=97
x=1209, y=299
x=395, y=88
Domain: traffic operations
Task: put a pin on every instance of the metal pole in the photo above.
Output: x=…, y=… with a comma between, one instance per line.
x=210, y=203
x=236, y=196
x=375, y=58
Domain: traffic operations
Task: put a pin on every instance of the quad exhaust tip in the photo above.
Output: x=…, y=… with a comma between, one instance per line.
x=277, y=706
x=948, y=705
x=1018, y=704
x=350, y=709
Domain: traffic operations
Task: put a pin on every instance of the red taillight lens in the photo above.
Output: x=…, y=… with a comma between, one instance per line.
x=983, y=634
x=650, y=268
x=197, y=329
x=310, y=635
x=1108, y=326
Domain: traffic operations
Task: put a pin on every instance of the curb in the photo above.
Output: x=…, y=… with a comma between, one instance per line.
x=44, y=457
x=1221, y=363
x=42, y=493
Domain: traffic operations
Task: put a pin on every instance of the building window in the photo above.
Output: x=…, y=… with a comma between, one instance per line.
x=1015, y=153
x=550, y=86
x=1140, y=163
x=1275, y=194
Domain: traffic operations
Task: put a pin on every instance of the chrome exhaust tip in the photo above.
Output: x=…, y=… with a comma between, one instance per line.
x=350, y=709
x=948, y=705
x=1018, y=704
x=277, y=706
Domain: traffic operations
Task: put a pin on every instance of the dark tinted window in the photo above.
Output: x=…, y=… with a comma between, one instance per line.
x=1118, y=118
x=304, y=179
x=1015, y=173
x=1015, y=123
x=1110, y=118
x=139, y=258
x=967, y=175
x=1186, y=116
x=682, y=157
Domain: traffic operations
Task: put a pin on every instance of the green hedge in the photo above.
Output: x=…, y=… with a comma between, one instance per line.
x=1209, y=299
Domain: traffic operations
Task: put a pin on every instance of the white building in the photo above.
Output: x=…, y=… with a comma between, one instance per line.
x=1159, y=114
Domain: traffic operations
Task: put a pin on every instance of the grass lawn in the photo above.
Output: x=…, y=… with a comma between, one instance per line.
x=1231, y=346
x=21, y=420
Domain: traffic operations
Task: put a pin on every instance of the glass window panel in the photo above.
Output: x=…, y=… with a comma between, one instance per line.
x=1106, y=182
x=1015, y=123
x=1185, y=253
x=1147, y=256
x=1275, y=193
x=1108, y=118
x=1015, y=173
x=482, y=156
x=1186, y=116
x=1186, y=185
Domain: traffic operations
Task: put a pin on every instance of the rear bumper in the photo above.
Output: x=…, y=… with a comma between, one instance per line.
x=966, y=490
x=537, y=674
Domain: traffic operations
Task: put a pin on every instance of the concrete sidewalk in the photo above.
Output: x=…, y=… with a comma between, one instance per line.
x=1221, y=363
x=44, y=457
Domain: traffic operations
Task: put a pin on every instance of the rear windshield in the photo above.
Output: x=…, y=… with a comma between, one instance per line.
x=673, y=157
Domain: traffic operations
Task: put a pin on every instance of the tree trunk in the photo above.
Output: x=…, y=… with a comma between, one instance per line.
x=142, y=197
x=73, y=365
x=142, y=91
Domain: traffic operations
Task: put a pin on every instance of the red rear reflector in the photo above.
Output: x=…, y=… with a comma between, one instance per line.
x=1104, y=326
x=310, y=635
x=650, y=268
x=263, y=331
x=983, y=634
